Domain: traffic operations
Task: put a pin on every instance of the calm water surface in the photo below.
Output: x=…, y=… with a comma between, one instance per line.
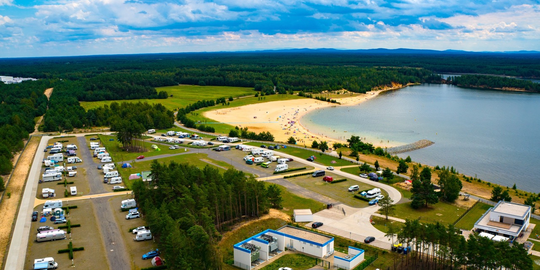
x=490, y=134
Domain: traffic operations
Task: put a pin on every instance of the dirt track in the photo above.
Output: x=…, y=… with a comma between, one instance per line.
x=8, y=207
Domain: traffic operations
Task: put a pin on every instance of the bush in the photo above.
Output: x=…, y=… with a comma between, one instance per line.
x=65, y=183
x=69, y=207
x=66, y=193
x=291, y=170
x=155, y=267
x=338, y=181
x=361, y=197
x=122, y=189
x=72, y=226
x=295, y=175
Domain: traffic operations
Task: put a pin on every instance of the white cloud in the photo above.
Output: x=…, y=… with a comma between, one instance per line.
x=6, y=2
x=5, y=20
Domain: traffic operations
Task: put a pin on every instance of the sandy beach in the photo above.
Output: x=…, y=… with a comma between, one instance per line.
x=281, y=118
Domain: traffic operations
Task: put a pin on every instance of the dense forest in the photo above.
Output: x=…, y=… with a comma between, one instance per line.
x=188, y=207
x=20, y=104
x=493, y=82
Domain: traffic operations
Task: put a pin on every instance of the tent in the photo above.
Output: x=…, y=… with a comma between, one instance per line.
x=156, y=261
x=126, y=165
x=134, y=176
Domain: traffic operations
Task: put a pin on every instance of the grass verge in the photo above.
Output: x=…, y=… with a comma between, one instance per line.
x=294, y=261
x=468, y=220
x=444, y=213
x=382, y=224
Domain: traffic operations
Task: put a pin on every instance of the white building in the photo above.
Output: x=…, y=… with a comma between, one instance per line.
x=267, y=244
x=302, y=215
x=355, y=257
x=505, y=219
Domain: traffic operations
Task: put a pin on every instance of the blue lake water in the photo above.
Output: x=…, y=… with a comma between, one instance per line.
x=489, y=134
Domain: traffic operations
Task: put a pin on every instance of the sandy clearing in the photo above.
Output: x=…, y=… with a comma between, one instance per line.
x=9, y=206
x=281, y=118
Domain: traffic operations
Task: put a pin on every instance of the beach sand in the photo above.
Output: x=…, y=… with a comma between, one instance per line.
x=281, y=118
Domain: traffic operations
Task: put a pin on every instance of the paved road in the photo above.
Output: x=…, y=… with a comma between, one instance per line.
x=298, y=190
x=93, y=175
x=112, y=238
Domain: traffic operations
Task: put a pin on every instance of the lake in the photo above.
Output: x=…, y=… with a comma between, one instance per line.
x=483, y=133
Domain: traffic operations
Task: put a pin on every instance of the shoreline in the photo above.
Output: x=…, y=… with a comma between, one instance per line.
x=282, y=118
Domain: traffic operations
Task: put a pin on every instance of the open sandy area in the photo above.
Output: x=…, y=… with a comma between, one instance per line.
x=281, y=118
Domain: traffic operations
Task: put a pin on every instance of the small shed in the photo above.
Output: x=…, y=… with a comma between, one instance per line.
x=302, y=215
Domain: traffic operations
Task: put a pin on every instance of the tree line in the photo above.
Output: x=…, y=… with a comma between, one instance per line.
x=493, y=82
x=20, y=104
x=244, y=133
x=187, y=208
x=436, y=246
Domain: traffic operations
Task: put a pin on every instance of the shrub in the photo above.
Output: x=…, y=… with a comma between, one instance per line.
x=338, y=181
x=295, y=175
x=122, y=189
x=291, y=170
x=156, y=267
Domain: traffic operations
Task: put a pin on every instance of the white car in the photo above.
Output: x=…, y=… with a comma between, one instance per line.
x=354, y=188
x=134, y=214
x=118, y=187
x=330, y=168
x=172, y=148
x=141, y=228
x=379, y=197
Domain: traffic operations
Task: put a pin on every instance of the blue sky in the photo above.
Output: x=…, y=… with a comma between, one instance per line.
x=86, y=27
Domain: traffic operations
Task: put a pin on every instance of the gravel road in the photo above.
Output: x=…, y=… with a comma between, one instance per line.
x=93, y=175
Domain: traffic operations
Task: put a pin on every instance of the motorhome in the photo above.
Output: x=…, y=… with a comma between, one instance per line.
x=52, y=176
x=151, y=131
x=170, y=133
x=106, y=159
x=281, y=167
x=47, y=193
x=102, y=155
x=373, y=193
x=51, y=235
x=71, y=168
x=45, y=263
x=73, y=191
x=111, y=174
x=222, y=139
x=258, y=160
x=115, y=180
x=72, y=174
x=232, y=139
x=56, y=157
x=143, y=235
x=74, y=160
x=52, y=204
x=56, y=148
x=282, y=160
x=128, y=204
x=71, y=147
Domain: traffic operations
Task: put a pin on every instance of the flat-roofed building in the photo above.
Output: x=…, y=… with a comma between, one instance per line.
x=506, y=219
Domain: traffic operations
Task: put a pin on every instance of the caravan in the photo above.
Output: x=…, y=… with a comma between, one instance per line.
x=115, y=180
x=102, y=155
x=281, y=167
x=71, y=147
x=267, y=154
x=52, y=176
x=56, y=158
x=143, y=235
x=282, y=160
x=256, y=151
x=258, y=160
x=111, y=174
x=74, y=160
x=47, y=192
x=232, y=139
x=51, y=235
x=128, y=204
x=52, y=204
x=106, y=159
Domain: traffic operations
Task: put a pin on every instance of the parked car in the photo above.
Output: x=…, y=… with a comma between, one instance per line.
x=93, y=139
x=316, y=225
x=270, y=147
x=45, y=150
x=309, y=159
x=369, y=239
x=35, y=216
x=132, y=215
x=140, y=157
x=290, y=159
x=44, y=228
x=172, y=148
x=99, y=167
x=354, y=188
x=330, y=168
x=60, y=220
x=328, y=178
x=363, y=175
x=150, y=254
x=263, y=146
x=118, y=187
x=141, y=228
x=285, y=268
x=379, y=197
x=374, y=201
x=210, y=143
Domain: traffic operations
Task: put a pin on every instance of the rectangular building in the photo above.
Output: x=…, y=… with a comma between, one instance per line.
x=506, y=219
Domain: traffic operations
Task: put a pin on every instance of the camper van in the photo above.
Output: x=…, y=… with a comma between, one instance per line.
x=373, y=193
x=52, y=176
x=106, y=159
x=111, y=174
x=318, y=173
x=115, y=180
x=71, y=147
x=45, y=263
x=128, y=204
x=56, y=157
x=266, y=164
x=72, y=174
x=51, y=235
x=74, y=160
x=73, y=191
x=258, y=160
x=52, y=204
x=281, y=167
x=143, y=235
x=282, y=160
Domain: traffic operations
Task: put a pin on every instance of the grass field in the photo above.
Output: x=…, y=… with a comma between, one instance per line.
x=193, y=159
x=294, y=261
x=536, y=230
x=292, y=201
x=225, y=247
x=536, y=262
x=183, y=95
x=117, y=154
x=441, y=212
x=337, y=191
x=467, y=221
x=382, y=224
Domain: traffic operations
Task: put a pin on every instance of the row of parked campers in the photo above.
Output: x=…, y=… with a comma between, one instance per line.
x=281, y=166
x=102, y=155
x=94, y=145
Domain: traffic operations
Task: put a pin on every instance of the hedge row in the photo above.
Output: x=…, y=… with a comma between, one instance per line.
x=155, y=267
x=65, y=183
x=122, y=189
x=361, y=197
x=72, y=226
x=69, y=207
x=291, y=170
x=295, y=175
x=338, y=181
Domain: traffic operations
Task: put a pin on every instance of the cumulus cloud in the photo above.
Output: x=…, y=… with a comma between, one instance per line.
x=6, y=2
